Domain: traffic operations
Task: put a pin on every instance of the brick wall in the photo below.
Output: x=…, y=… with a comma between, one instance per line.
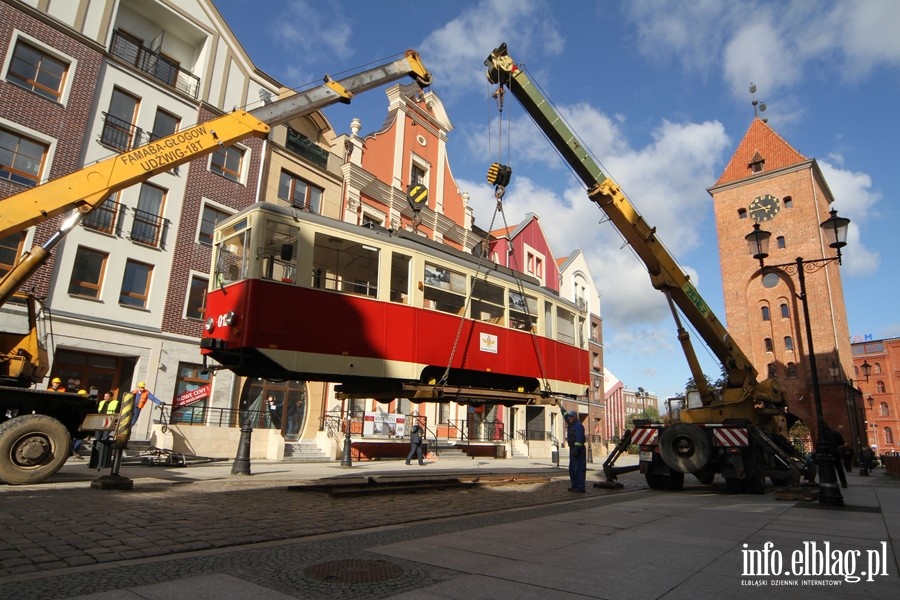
x=67, y=124
x=745, y=293
x=188, y=254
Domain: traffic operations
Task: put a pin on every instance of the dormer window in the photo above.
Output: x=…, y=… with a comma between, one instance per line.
x=756, y=163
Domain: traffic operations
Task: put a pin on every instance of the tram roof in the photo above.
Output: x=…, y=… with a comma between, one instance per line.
x=400, y=238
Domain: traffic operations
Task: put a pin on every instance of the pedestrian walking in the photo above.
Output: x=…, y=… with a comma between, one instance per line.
x=577, y=455
x=833, y=442
x=415, y=444
x=847, y=457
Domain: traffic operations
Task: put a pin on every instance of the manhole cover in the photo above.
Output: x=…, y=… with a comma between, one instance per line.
x=354, y=571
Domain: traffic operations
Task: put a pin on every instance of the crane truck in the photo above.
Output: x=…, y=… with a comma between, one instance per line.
x=738, y=431
x=37, y=426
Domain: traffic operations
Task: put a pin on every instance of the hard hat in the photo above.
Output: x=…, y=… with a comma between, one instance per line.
x=142, y=384
x=56, y=380
x=82, y=392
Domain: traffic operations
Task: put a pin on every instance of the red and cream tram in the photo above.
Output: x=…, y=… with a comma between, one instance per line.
x=295, y=295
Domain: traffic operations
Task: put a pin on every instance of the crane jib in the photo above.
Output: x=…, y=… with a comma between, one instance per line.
x=170, y=149
x=694, y=296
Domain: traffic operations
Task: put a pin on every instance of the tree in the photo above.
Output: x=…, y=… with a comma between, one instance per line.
x=650, y=412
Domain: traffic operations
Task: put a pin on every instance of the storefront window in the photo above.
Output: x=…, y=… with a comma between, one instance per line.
x=192, y=392
x=274, y=405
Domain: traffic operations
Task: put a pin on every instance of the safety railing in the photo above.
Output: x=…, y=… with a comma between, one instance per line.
x=147, y=228
x=155, y=64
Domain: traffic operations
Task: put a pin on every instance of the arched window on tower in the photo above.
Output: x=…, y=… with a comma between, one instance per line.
x=765, y=313
x=788, y=343
x=885, y=411
x=785, y=311
x=742, y=213
x=888, y=436
x=879, y=387
x=780, y=241
x=772, y=371
x=792, y=370
x=876, y=368
x=787, y=202
x=770, y=347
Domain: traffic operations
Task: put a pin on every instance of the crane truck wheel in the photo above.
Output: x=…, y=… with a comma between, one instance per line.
x=685, y=448
x=32, y=448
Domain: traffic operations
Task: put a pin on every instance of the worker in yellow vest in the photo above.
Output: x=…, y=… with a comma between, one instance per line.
x=107, y=406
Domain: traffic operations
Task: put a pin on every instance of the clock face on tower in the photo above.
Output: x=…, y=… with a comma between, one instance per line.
x=764, y=207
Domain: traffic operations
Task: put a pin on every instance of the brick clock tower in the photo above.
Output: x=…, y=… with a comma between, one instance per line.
x=770, y=183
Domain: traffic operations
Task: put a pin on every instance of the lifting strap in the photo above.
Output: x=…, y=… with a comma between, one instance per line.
x=499, y=192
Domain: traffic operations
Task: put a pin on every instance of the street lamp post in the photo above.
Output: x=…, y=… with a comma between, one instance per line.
x=835, y=229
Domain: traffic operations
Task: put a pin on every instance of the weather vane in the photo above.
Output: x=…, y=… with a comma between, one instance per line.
x=758, y=107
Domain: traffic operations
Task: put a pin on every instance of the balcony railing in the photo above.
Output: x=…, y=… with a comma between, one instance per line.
x=147, y=228
x=154, y=64
x=119, y=134
x=303, y=147
x=103, y=218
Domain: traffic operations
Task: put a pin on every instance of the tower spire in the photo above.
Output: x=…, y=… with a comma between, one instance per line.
x=758, y=106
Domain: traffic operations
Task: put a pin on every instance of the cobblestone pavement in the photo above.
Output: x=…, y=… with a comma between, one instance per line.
x=206, y=533
x=62, y=540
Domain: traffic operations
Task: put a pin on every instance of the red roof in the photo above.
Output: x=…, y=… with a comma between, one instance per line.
x=760, y=143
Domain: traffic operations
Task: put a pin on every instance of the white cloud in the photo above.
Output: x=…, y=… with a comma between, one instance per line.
x=854, y=199
x=314, y=31
x=664, y=181
x=456, y=51
x=867, y=35
x=770, y=43
x=756, y=52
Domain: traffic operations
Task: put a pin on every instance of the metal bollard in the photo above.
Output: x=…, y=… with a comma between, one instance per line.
x=241, y=464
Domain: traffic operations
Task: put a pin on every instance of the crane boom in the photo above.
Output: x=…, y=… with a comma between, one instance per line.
x=88, y=187
x=665, y=274
x=92, y=184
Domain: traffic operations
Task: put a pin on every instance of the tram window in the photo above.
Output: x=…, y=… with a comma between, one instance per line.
x=345, y=266
x=445, y=290
x=277, y=254
x=548, y=319
x=400, y=278
x=523, y=313
x=487, y=302
x=230, y=255
x=565, y=325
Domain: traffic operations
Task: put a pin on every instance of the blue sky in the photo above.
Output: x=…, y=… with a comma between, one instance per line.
x=659, y=92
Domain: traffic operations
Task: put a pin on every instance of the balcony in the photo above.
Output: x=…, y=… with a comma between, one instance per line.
x=303, y=147
x=147, y=228
x=154, y=64
x=118, y=134
x=103, y=218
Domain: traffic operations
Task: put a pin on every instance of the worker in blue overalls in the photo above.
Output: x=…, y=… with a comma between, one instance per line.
x=577, y=454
